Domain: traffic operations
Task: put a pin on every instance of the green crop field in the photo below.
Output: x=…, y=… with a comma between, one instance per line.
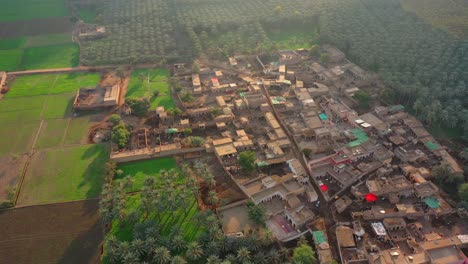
x=57, y=56
x=189, y=227
x=141, y=169
x=77, y=131
x=17, y=138
x=66, y=174
x=158, y=81
x=88, y=15
x=10, y=59
x=12, y=43
x=50, y=39
x=293, y=39
x=19, y=110
x=52, y=133
x=29, y=9
x=51, y=84
x=58, y=106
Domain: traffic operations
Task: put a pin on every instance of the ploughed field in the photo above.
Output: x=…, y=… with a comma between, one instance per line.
x=57, y=233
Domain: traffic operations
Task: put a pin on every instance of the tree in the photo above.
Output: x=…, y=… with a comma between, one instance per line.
x=314, y=51
x=256, y=213
x=194, y=251
x=307, y=152
x=304, y=254
x=363, y=99
x=174, y=111
x=161, y=255
x=197, y=141
x=178, y=260
x=139, y=107
x=187, y=131
x=464, y=154
x=247, y=160
x=186, y=97
x=120, y=135
x=213, y=197
x=463, y=194
x=243, y=254
x=324, y=58
x=115, y=119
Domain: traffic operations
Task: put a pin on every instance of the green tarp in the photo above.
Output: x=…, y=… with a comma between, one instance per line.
x=171, y=130
x=432, y=202
x=262, y=164
x=319, y=237
x=431, y=145
x=323, y=116
x=361, y=137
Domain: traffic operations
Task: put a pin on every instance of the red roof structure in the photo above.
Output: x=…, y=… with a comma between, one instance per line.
x=370, y=197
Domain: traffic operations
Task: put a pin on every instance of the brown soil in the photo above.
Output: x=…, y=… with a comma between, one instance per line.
x=10, y=171
x=33, y=27
x=56, y=233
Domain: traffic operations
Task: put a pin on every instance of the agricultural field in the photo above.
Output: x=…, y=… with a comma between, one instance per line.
x=28, y=10
x=11, y=168
x=64, y=174
x=293, y=39
x=37, y=52
x=51, y=84
x=56, y=233
x=52, y=133
x=139, y=87
x=54, y=56
x=448, y=15
x=138, y=171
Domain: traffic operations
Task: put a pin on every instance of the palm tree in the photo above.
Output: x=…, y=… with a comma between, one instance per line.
x=273, y=256
x=213, y=259
x=161, y=255
x=138, y=247
x=178, y=260
x=243, y=254
x=178, y=243
x=194, y=251
x=212, y=197
x=284, y=253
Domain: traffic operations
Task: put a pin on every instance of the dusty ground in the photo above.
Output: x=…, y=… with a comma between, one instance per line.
x=57, y=233
x=10, y=170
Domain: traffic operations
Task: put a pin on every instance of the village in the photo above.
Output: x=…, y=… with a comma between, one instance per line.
x=358, y=183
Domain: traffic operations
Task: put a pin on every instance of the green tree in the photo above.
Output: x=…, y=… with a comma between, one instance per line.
x=187, y=131
x=174, y=111
x=256, y=213
x=243, y=254
x=304, y=254
x=363, y=99
x=463, y=194
x=186, y=97
x=115, y=119
x=314, y=51
x=197, y=141
x=194, y=251
x=120, y=135
x=178, y=260
x=247, y=160
x=324, y=58
x=139, y=107
x=161, y=255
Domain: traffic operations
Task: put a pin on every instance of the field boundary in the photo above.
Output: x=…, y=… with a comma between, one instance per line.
x=46, y=204
x=21, y=180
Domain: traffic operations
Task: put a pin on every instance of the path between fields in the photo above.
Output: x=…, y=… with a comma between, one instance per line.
x=79, y=68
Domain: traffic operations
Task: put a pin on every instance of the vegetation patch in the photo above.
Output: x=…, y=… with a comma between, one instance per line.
x=12, y=43
x=66, y=174
x=57, y=56
x=50, y=39
x=17, y=138
x=152, y=84
x=26, y=9
x=88, y=14
x=139, y=170
x=31, y=85
x=58, y=106
x=52, y=133
x=77, y=131
x=293, y=39
x=10, y=59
